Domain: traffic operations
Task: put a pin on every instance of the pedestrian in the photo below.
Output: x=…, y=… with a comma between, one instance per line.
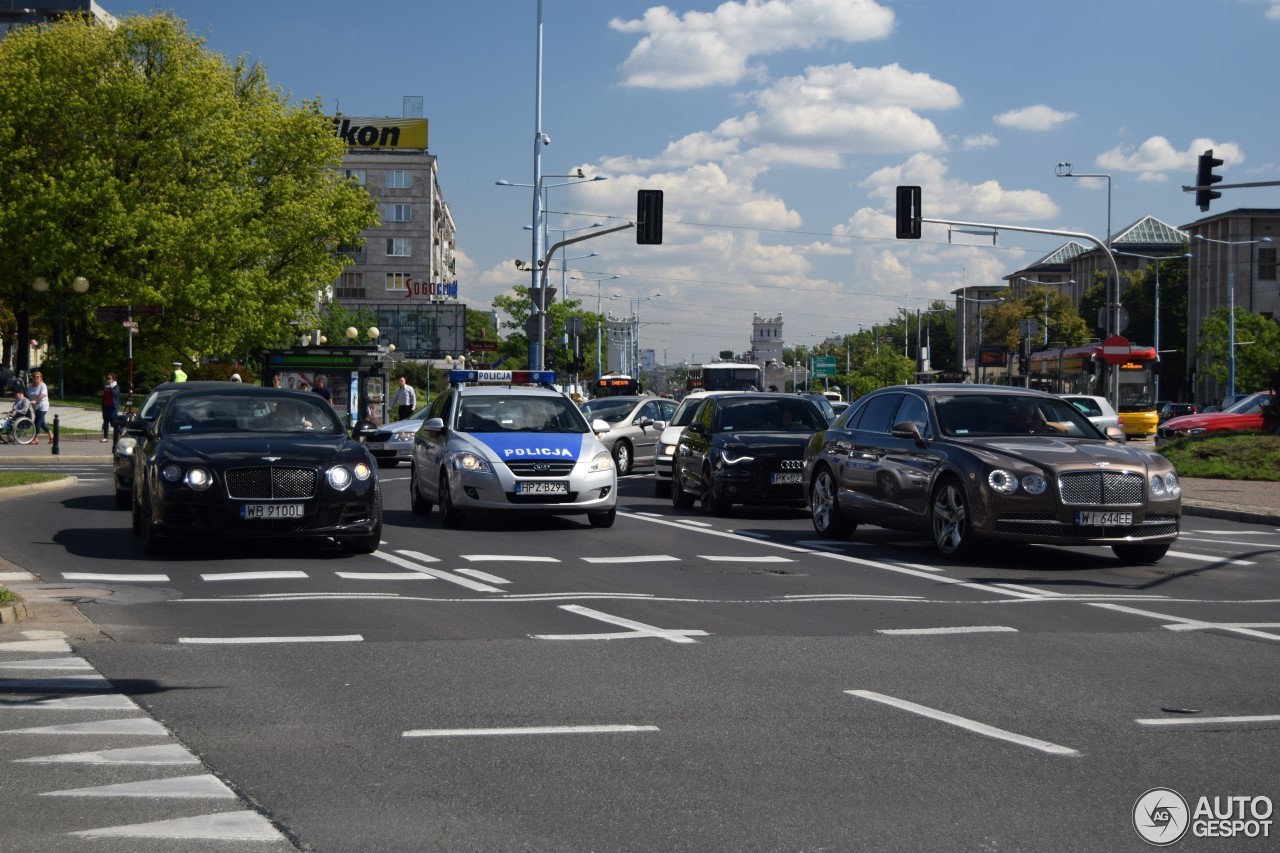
x=406, y=400
x=235, y=377
x=275, y=380
x=110, y=405
x=178, y=375
x=322, y=389
x=21, y=406
x=38, y=394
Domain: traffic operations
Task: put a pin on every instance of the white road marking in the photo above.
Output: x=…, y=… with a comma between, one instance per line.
x=972, y=629
x=923, y=567
x=750, y=534
x=253, y=576
x=638, y=629
x=163, y=754
x=16, y=577
x=483, y=576
x=1199, y=624
x=637, y=558
x=225, y=826
x=1190, y=626
x=1201, y=721
x=62, y=682
x=506, y=558
x=105, y=578
x=729, y=558
x=419, y=556
x=849, y=596
x=101, y=702
x=46, y=645
x=249, y=641
x=1185, y=538
x=965, y=723
x=529, y=730
x=1208, y=558
x=384, y=576
x=689, y=522
x=1022, y=588
x=1231, y=533
x=131, y=726
x=49, y=663
x=200, y=786
x=437, y=573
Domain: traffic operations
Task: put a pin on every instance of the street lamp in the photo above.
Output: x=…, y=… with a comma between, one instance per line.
x=1231, y=296
x=599, y=342
x=631, y=353
x=1063, y=170
x=1155, y=343
x=1070, y=282
x=977, y=344
x=79, y=284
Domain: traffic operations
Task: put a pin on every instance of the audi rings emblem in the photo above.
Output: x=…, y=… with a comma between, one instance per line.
x=792, y=464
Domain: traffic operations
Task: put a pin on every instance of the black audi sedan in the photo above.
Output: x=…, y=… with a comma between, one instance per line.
x=252, y=463
x=744, y=449
x=973, y=463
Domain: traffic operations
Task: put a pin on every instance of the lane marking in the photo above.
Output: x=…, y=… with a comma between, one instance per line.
x=506, y=558
x=1185, y=626
x=247, y=641
x=1267, y=545
x=638, y=558
x=56, y=683
x=16, y=577
x=1208, y=558
x=1200, y=624
x=253, y=576
x=481, y=576
x=1201, y=721
x=965, y=723
x=131, y=726
x=49, y=663
x=45, y=645
x=163, y=754
x=1233, y=532
x=973, y=629
x=419, y=556
x=101, y=702
x=437, y=573
x=95, y=576
x=529, y=730
x=852, y=596
x=690, y=522
x=638, y=629
x=384, y=576
x=729, y=558
x=226, y=826
x=924, y=568
x=199, y=786
x=1017, y=587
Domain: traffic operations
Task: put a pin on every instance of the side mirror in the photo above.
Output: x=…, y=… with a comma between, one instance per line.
x=364, y=430
x=600, y=425
x=434, y=425
x=134, y=426
x=644, y=422
x=695, y=429
x=659, y=425
x=908, y=429
x=1116, y=434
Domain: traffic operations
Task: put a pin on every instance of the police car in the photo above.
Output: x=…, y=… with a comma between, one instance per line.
x=507, y=441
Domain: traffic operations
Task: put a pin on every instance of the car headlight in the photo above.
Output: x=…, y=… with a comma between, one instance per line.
x=666, y=450
x=199, y=479
x=124, y=447
x=171, y=472
x=1035, y=484
x=733, y=457
x=467, y=461
x=1002, y=481
x=1165, y=485
x=363, y=471
x=1195, y=431
x=602, y=461
x=339, y=477
x=403, y=436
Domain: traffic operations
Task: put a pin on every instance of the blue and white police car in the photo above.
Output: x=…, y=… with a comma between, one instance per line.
x=507, y=441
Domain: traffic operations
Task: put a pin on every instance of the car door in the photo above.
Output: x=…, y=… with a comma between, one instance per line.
x=429, y=446
x=645, y=435
x=865, y=475
x=694, y=446
x=907, y=468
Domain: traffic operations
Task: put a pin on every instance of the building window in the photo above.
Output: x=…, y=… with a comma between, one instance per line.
x=1267, y=264
x=399, y=179
x=398, y=281
x=350, y=286
x=399, y=247
x=396, y=213
x=356, y=175
x=354, y=251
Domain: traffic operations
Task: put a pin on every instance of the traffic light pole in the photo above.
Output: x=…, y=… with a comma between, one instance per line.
x=540, y=300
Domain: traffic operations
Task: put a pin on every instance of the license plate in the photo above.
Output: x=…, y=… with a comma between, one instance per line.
x=786, y=478
x=540, y=487
x=374, y=445
x=1104, y=519
x=270, y=511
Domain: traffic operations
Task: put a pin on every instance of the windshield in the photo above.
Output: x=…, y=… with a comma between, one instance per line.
x=196, y=415
x=1251, y=405
x=1002, y=414
x=519, y=413
x=788, y=415
x=610, y=409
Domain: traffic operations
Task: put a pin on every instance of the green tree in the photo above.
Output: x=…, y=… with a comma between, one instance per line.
x=1257, y=348
x=165, y=175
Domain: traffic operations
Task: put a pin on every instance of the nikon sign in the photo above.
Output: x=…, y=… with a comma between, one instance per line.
x=381, y=132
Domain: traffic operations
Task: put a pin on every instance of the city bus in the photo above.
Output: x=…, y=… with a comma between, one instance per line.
x=614, y=385
x=1082, y=370
x=725, y=376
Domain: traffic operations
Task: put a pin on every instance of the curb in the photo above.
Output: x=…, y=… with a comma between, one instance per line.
x=1242, y=516
x=30, y=488
x=15, y=612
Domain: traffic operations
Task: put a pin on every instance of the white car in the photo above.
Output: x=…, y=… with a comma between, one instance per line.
x=508, y=447
x=393, y=442
x=665, y=447
x=1097, y=409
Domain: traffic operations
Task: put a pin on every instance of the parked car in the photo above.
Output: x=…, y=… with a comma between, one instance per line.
x=634, y=426
x=824, y=406
x=973, y=463
x=1243, y=416
x=1097, y=409
x=511, y=448
x=664, y=449
x=744, y=448
x=244, y=462
x=393, y=442
x=1176, y=410
x=122, y=453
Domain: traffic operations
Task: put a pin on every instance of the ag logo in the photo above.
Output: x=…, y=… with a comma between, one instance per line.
x=1161, y=816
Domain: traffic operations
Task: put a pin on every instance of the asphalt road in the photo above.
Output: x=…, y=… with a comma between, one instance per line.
x=676, y=683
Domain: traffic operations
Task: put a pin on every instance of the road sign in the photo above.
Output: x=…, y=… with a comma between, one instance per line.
x=824, y=365
x=131, y=325
x=1116, y=350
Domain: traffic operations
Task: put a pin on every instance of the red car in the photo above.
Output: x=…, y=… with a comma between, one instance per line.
x=1242, y=416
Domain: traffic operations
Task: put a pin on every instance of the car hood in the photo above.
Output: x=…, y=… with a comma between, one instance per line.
x=1057, y=452
x=401, y=426
x=223, y=450
x=781, y=443
x=515, y=446
x=1205, y=419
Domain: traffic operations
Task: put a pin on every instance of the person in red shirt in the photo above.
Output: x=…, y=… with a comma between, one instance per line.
x=110, y=405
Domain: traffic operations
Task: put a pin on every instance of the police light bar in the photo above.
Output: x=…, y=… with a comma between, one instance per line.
x=504, y=377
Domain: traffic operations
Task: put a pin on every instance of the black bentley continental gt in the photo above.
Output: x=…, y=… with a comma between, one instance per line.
x=253, y=463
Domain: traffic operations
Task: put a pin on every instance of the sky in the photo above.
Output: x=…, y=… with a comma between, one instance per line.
x=778, y=131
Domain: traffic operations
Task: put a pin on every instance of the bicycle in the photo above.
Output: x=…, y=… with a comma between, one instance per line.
x=17, y=430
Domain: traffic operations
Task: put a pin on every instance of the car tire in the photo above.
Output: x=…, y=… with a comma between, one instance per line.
x=949, y=510
x=829, y=520
x=1140, y=552
x=449, y=514
x=680, y=499
x=368, y=543
x=602, y=519
x=417, y=503
x=152, y=542
x=623, y=457
x=711, y=504
x=124, y=499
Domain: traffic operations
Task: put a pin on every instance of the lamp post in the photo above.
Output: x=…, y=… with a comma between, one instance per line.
x=631, y=357
x=1064, y=170
x=599, y=323
x=1155, y=332
x=1231, y=297
x=1071, y=282
x=79, y=284
x=977, y=344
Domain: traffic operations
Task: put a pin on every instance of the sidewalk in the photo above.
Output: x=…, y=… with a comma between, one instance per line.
x=72, y=448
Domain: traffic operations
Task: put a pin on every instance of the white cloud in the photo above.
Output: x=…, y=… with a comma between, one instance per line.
x=1273, y=13
x=979, y=141
x=1156, y=156
x=1036, y=117
x=947, y=198
x=700, y=49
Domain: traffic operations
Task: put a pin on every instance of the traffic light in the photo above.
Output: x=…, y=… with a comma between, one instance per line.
x=649, y=217
x=1205, y=177
x=908, y=213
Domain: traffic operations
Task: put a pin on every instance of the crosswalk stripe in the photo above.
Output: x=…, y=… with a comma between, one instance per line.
x=199, y=786
x=169, y=753
x=134, y=726
x=226, y=826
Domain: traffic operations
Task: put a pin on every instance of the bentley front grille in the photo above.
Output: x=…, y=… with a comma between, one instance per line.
x=270, y=483
x=1102, y=488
